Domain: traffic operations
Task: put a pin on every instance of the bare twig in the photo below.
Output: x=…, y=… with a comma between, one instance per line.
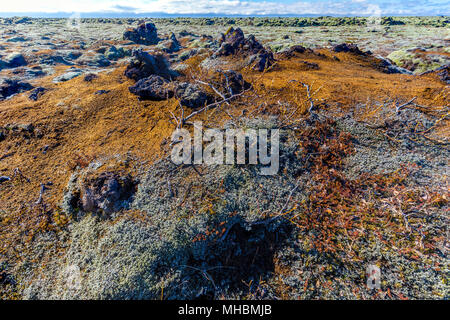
x=398, y=108
x=311, y=103
x=213, y=105
x=214, y=89
x=41, y=194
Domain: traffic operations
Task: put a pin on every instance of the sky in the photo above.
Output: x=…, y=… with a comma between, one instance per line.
x=231, y=7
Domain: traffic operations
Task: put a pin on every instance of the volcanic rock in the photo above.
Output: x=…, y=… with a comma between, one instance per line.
x=36, y=93
x=153, y=87
x=15, y=60
x=145, y=33
x=348, y=47
x=144, y=64
x=235, y=43
x=10, y=87
x=191, y=95
x=106, y=193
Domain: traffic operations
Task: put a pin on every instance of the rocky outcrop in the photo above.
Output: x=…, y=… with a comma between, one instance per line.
x=106, y=192
x=444, y=74
x=36, y=93
x=232, y=82
x=292, y=51
x=348, y=47
x=191, y=95
x=153, y=87
x=13, y=60
x=10, y=87
x=233, y=42
x=145, y=33
x=69, y=75
x=144, y=64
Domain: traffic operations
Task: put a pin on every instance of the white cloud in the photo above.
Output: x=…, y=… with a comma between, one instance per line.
x=212, y=6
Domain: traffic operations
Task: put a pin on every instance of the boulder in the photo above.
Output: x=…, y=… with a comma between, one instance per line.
x=260, y=61
x=90, y=76
x=106, y=193
x=292, y=51
x=191, y=95
x=233, y=42
x=153, y=87
x=348, y=47
x=233, y=82
x=144, y=64
x=145, y=33
x=114, y=53
x=36, y=93
x=69, y=75
x=10, y=87
x=15, y=60
x=171, y=45
x=444, y=74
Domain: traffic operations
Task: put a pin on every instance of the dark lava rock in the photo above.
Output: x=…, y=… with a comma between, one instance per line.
x=310, y=65
x=90, y=76
x=36, y=93
x=233, y=82
x=260, y=61
x=100, y=92
x=348, y=47
x=172, y=45
x=10, y=87
x=144, y=64
x=292, y=51
x=387, y=66
x=15, y=60
x=191, y=95
x=235, y=43
x=444, y=74
x=4, y=179
x=73, y=55
x=145, y=33
x=106, y=193
x=152, y=88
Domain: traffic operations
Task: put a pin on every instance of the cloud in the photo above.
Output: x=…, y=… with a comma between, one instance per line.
x=241, y=7
x=124, y=8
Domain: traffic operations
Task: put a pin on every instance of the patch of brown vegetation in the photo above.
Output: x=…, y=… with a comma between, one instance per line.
x=72, y=127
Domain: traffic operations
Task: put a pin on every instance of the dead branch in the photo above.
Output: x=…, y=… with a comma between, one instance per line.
x=41, y=194
x=214, y=105
x=214, y=89
x=308, y=93
x=398, y=108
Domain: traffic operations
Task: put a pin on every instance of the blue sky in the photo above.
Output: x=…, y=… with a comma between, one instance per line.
x=233, y=7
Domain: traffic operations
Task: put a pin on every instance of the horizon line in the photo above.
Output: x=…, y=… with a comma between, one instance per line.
x=117, y=15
